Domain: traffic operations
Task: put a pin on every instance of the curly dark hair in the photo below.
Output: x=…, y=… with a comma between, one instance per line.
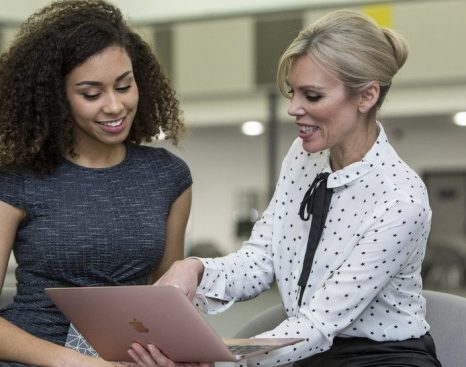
x=35, y=117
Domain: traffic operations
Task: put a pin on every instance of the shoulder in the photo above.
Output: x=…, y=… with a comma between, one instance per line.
x=406, y=182
x=13, y=178
x=11, y=187
x=158, y=163
x=10, y=174
x=147, y=151
x=156, y=155
x=296, y=150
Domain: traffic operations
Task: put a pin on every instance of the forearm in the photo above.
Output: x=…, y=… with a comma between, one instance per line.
x=22, y=347
x=247, y=272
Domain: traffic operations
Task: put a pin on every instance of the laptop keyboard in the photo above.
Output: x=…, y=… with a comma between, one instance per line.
x=244, y=349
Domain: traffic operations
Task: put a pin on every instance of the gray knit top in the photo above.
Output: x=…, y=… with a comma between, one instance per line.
x=88, y=227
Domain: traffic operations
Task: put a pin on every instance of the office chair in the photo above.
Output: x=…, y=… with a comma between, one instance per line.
x=446, y=314
x=266, y=320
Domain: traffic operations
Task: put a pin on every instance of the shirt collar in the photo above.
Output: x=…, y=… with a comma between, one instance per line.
x=356, y=170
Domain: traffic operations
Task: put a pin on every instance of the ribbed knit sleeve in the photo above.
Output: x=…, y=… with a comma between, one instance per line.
x=11, y=189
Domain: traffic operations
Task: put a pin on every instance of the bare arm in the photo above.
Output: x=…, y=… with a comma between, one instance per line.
x=10, y=217
x=18, y=345
x=176, y=228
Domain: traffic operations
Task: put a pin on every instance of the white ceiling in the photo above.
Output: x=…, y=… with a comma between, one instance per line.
x=163, y=10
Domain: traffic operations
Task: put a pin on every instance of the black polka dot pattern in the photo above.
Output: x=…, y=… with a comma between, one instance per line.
x=365, y=279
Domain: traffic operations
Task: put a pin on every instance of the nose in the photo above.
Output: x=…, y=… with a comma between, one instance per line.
x=295, y=108
x=113, y=104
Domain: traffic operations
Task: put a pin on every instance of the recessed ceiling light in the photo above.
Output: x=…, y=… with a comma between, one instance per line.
x=252, y=128
x=460, y=118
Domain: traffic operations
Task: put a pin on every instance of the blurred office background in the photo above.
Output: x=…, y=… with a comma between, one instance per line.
x=221, y=56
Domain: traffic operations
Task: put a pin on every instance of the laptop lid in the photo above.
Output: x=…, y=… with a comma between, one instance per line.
x=111, y=318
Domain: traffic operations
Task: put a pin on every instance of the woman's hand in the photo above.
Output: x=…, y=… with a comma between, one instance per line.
x=185, y=274
x=153, y=357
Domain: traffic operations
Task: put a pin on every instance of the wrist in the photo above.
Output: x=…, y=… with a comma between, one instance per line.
x=47, y=354
x=197, y=266
x=63, y=357
x=67, y=357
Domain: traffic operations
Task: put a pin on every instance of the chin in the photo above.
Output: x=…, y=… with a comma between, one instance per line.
x=312, y=147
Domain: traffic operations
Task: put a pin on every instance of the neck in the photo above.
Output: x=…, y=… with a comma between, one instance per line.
x=354, y=149
x=111, y=156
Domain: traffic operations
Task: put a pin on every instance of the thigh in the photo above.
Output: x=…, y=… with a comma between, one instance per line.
x=361, y=352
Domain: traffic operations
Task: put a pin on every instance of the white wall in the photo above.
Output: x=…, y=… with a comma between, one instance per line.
x=214, y=56
x=224, y=163
x=431, y=146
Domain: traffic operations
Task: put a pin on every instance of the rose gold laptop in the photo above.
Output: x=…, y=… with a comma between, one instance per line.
x=111, y=318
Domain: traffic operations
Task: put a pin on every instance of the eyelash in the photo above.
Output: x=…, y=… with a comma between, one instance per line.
x=123, y=89
x=93, y=97
x=310, y=98
x=315, y=98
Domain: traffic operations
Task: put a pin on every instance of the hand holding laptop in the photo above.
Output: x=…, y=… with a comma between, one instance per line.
x=151, y=356
x=114, y=318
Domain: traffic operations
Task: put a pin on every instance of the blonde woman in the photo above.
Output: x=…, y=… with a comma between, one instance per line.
x=345, y=232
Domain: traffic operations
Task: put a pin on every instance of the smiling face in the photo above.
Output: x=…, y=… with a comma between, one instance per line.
x=103, y=98
x=328, y=116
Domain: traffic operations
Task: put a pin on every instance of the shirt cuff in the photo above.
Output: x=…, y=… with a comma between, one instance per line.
x=210, y=296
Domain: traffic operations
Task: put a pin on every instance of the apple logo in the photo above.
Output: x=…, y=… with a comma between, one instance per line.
x=139, y=326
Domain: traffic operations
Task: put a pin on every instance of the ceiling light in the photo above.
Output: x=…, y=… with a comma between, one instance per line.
x=252, y=128
x=460, y=118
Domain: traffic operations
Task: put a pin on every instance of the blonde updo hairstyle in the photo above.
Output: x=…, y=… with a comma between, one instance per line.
x=352, y=47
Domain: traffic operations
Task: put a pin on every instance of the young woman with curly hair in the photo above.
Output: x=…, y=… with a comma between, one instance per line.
x=82, y=202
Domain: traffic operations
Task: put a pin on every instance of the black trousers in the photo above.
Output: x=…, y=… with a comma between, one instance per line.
x=362, y=352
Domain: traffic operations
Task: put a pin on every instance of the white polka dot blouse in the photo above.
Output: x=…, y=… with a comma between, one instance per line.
x=365, y=279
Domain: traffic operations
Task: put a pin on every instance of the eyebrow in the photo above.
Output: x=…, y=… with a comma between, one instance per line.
x=306, y=87
x=96, y=83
